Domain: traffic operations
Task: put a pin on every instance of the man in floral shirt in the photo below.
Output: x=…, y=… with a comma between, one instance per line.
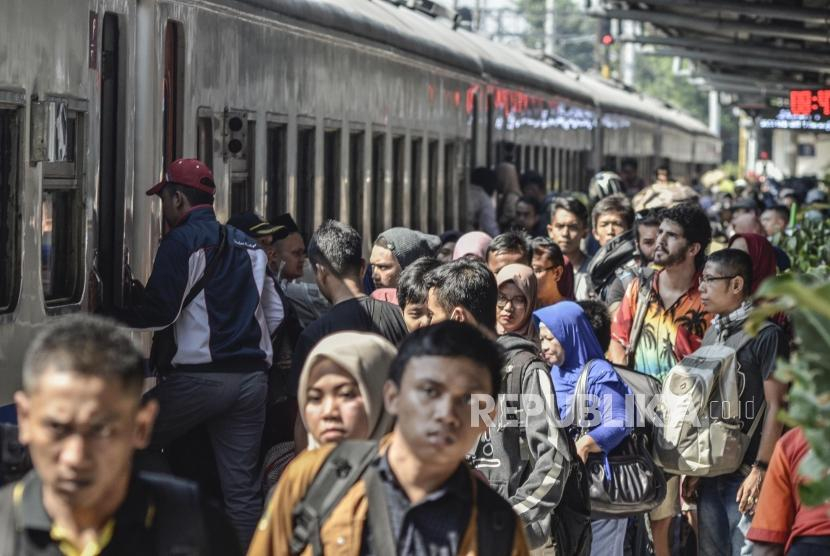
x=673, y=324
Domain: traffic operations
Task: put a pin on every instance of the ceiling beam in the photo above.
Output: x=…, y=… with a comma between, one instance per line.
x=790, y=13
x=729, y=48
x=710, y=25
x=738, y=60
x=757, y=81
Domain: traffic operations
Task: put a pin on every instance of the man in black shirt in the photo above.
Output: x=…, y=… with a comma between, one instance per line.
x=82, y=417
x=335, y=255
x=722, y=500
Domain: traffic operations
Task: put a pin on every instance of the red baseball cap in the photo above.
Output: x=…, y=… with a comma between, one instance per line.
x=187, y=172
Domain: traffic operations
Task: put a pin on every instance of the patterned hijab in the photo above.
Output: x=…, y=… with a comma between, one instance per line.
x=525, y=280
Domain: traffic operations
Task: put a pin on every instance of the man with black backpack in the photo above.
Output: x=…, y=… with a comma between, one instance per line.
x=412, y=493
x=731, y=491
x=525, y=455
x=82, y=417
x=211, y=297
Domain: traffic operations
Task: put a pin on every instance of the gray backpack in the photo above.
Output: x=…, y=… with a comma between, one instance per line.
x=700, y=409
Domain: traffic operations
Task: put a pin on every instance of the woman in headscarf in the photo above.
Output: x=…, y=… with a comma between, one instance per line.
x=472, y=243
x=571, y=348
x=341, y=388
x=762, y=253
x=515, y=304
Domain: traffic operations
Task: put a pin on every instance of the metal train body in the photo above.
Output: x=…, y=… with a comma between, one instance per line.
x=368, y=112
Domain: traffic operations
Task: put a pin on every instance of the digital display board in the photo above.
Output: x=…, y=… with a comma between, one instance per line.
x=810, y=102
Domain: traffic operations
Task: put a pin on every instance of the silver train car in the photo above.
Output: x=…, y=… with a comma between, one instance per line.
x=369, y=112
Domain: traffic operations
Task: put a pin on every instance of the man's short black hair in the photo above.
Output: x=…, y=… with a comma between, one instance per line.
x=600, y=319
x=648, y=218
x=466, y=283
x=449, y=339
x=336, y=246
x=87, y=345
x=571, y=205
x=545, y=246
x=411, y=285
x=734, y=262
x=194, y=196
x=696, y=227
x=515, y=241
x=782, y=211
x=618, y=204
x=533, y=202
x=532, y=177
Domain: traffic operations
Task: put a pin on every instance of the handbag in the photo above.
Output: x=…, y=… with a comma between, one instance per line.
x=625, y=482
x=164, y=347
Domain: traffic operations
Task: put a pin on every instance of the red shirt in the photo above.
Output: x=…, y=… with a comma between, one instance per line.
x=780, y=517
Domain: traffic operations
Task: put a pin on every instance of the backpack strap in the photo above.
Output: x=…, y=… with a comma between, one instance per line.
x=579, y=396
x=343, y=467
x=210, y=269
x=643, y=299
x=8, y=519
x=381, y=537
x=179, y=516
x=514, y=436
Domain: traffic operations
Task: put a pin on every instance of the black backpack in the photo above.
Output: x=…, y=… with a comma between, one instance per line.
x=179, y=515
x=349, y=462
x=571, y=519
x=602, y=268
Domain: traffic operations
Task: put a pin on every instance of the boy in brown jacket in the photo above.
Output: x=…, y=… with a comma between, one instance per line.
x=417, y=496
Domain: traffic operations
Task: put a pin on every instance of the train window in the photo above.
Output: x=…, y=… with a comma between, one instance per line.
x=9, y=222
x=378, y=184
x=528, y=159
x=397, y=179
x=242, y=176
x=356, y=161
x=61, y=219
x=172, y=90
x=474, y=133
x=432, y=186
x=204, y=137
x=545, y=164
x=276, y=169
x=490, y=121
x=305, y=179
x=450, y=185
x=537, y=154
x=416, y=160
x=331, y=173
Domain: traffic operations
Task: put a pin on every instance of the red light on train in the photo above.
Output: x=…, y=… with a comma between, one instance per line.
x=607, y=39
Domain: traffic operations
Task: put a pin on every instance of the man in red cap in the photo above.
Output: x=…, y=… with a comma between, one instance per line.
x=208, y=291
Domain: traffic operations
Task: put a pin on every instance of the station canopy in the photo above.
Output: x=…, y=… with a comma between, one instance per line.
x=761, y=55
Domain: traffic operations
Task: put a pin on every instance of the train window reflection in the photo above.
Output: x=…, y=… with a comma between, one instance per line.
x=356, y=184
x=276, y=170
x=242, y=176
x=378, y=183
x=397, y=180
x=415, y=172
x=204, y=140
x=432, y=186
x=305, y=179
x=61, y=221
x=331, y=173
x=9, y=225
x=450, y=185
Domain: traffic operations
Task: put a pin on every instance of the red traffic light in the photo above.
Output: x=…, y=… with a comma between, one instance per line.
x=607, y=39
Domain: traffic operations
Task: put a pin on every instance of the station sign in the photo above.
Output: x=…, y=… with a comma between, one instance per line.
x=810, y=103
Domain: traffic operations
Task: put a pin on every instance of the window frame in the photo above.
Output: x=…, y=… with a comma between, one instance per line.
x=276, y=200
x=14, y=101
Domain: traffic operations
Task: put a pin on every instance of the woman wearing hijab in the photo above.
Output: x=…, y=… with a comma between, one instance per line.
x=570, y=347
x=472, y=243
x=341, y=388
x=515, y=304
x=762, y=253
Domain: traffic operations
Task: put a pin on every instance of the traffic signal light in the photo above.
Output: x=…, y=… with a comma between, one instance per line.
x=606, y=37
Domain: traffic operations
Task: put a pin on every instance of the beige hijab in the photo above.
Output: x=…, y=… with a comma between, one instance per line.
x=367, y=358
x=525, y=280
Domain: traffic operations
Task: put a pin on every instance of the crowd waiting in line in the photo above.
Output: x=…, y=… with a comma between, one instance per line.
x=342, y=400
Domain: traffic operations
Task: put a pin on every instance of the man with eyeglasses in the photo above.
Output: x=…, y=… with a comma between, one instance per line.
x=722, y=500
x=548, y=265
x=661, y=320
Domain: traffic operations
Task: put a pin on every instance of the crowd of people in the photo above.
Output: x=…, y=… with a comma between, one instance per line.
x=433, y=398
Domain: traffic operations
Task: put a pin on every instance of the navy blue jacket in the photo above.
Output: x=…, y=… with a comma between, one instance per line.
x=228, y=326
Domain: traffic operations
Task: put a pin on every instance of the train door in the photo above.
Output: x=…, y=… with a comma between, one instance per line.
x=110, y=255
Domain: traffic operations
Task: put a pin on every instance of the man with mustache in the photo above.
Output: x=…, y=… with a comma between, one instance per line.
x=672, y=324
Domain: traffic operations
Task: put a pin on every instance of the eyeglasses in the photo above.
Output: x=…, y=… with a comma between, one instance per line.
x=708, y=279
x=517, y=302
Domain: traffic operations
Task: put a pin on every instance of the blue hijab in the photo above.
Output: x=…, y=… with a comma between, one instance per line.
x=570, y=326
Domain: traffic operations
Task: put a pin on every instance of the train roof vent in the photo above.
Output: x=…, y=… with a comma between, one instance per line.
x=433, y=8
